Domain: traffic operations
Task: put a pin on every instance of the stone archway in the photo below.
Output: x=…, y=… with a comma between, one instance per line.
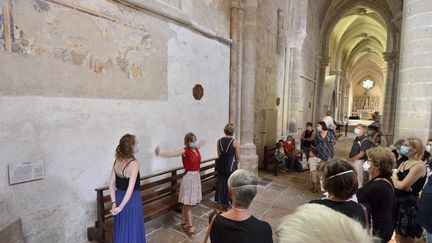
x=375, y=48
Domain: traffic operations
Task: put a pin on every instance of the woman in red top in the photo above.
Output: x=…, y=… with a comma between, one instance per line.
x=190, y=186
x=293, y=161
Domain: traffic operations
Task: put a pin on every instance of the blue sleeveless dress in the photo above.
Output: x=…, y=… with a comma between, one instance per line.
x=225, y=166
x=129, y=223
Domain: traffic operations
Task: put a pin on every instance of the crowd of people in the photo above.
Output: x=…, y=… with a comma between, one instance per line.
x=377, y=193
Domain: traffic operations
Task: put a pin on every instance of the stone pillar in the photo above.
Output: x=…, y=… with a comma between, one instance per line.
x=338, y=100
x=249, y=158
x=343, y=103
x=322, y=63
x=237, y=18
x=414, y=101
x=389, y=111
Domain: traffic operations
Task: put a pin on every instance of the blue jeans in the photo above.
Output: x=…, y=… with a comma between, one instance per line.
x=428, y=237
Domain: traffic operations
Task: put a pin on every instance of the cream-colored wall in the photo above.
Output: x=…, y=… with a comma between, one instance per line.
x=309, y=55
x=75, y=134
x=289, y=75
x=269, y=74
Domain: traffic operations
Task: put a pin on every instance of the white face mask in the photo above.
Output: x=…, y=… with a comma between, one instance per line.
x=192, y=145
x=366, y=166
x=428, y=148
x=137, y=148
x=289, y=142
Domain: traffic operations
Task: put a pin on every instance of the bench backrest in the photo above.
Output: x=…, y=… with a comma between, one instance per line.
x=154, y=187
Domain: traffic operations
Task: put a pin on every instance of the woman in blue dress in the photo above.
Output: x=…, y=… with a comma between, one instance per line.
x=124, y=186
x=324, y=141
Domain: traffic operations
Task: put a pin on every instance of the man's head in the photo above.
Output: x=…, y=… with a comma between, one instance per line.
x=360, y=130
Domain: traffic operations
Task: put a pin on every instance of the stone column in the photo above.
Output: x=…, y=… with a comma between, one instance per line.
x=322, y=63
x=338, y=106
x=414, y=101
x=343, y=103
x=236, y=62
x=249, y=158
x=389, y=111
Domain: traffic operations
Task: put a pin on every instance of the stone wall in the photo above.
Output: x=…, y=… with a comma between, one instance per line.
x=77, y=75
x=288, y=75
x=309, y=54
x=269, y=73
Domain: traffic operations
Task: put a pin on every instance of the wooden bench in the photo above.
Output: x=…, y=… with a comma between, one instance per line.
x=269, y=159
x=159, y=193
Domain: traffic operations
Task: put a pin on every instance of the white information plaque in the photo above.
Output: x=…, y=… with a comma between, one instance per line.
x=20, y=172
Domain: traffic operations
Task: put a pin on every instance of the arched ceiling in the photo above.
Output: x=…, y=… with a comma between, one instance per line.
x=360, y=31
x=357, y=43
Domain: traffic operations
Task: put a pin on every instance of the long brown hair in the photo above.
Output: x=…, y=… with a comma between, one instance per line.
x=125, y=149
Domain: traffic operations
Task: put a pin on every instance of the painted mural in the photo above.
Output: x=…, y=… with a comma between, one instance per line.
x=86, y=52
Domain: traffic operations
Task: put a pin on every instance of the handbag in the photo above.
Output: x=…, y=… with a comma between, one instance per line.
x=216, y=213
x=368, y=224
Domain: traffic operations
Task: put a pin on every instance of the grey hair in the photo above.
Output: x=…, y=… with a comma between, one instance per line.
x=243, y=186
x=362, y=126
x=328, y=226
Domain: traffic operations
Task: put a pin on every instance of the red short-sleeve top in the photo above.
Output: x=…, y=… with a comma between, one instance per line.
x=289, y=147
x=191, y=160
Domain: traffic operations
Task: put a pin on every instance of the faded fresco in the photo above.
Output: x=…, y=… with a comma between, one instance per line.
x=77, y=51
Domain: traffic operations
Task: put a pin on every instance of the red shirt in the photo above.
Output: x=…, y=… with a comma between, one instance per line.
x=289, y=148
x=191, y=160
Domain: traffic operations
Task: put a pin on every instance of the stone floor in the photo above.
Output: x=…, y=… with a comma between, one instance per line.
x=277, y=197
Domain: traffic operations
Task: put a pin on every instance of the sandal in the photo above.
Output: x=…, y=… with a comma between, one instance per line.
x=184, y=227
x=190, y=231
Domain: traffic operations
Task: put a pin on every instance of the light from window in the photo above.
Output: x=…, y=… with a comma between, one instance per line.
x=368, y=84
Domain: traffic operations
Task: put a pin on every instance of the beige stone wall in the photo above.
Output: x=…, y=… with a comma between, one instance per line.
x=289, y=75
x=309, y=56
x=269, y=74
x=414, y=102
x=213, y=14
x=64, y=102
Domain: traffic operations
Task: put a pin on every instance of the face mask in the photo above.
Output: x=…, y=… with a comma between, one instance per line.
x=356, y=131
x=289, y=142
x=366, y=166
x=192, y=145
x=137, y=148
x=404, y=150
x=428, y=148
x=308, y=128
x=319, y=129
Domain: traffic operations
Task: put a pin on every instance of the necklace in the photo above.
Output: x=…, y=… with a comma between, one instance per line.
x=239, y=209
